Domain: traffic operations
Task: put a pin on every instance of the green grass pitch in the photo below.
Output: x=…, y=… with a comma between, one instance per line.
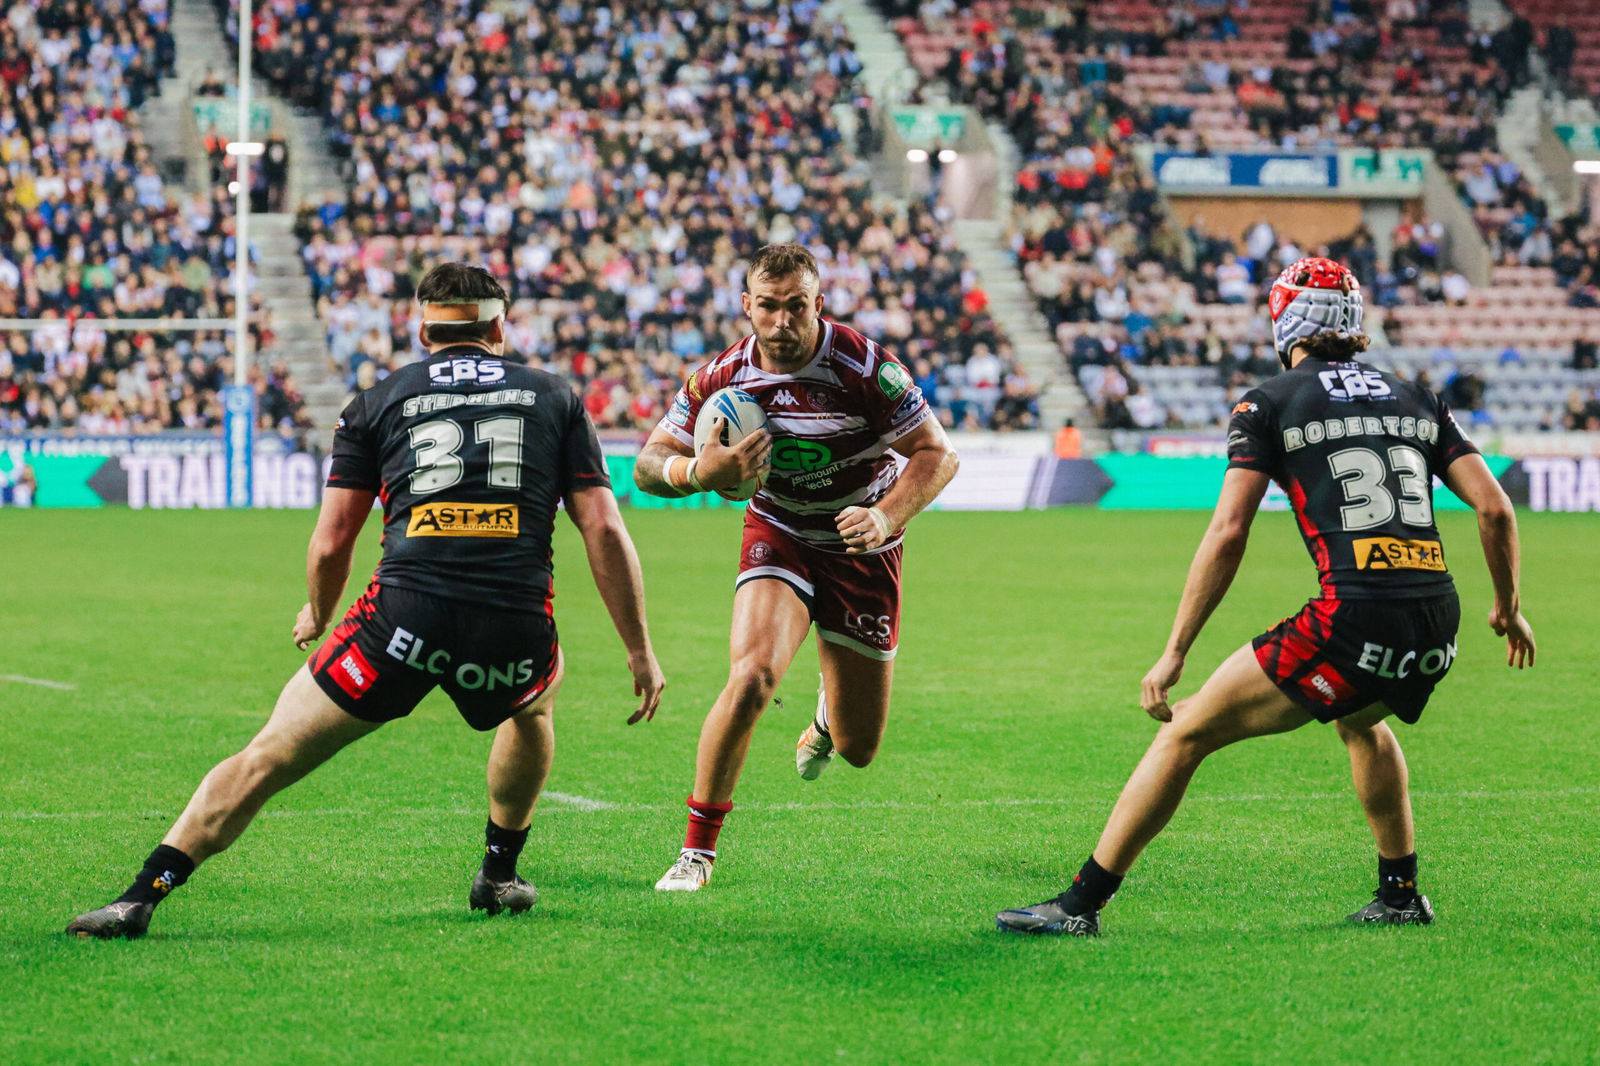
x=851, y=919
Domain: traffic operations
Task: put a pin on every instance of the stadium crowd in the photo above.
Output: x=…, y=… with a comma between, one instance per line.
x=615, y=167
x=90, y=230
x=1124, y=286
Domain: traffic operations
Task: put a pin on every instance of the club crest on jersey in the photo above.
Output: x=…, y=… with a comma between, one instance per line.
x=893, y=379
x=463, y=520
x=760, y=552
x=467, y=372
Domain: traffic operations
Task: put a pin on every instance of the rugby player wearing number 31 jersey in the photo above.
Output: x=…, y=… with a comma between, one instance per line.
x=470, y=455
x=1356, y=450
x=821, y=538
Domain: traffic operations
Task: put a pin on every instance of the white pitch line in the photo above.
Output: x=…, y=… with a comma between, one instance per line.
x=583, y=804
x=41, y=682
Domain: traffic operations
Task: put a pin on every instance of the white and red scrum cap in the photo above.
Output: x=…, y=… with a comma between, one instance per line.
x=1312, y=296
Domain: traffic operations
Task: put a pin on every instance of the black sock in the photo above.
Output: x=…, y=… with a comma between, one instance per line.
x=164, y=870
x=1091, y=889
x=500, y=850
x=1397, y=880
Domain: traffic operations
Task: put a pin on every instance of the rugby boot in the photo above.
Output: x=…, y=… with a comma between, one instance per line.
x=1417, y=911
x=1049, y=917
x=812, y=753
x=515, y=895
x=814, y=750
x=689, y=874
x=129, y=920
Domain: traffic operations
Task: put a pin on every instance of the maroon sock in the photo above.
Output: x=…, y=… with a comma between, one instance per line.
x=705, y=822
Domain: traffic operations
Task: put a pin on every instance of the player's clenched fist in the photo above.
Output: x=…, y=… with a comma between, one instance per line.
x=306, y=628
x=1158, y=683
x=863, y=529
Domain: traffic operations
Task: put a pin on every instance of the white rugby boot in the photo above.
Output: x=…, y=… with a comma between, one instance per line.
x=814, y=750
x=690, y=873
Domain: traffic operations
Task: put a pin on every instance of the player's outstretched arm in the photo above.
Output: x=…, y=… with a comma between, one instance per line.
x=717, y=467
x=1215, y=563
x=615, y=566
x=931, y=462
x=1469, y=477
x=333, y=542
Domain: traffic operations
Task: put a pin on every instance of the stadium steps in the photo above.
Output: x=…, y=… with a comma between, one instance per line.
x=1518, y=131
x=886, y=70
x=281, y=285
x=1017, y=312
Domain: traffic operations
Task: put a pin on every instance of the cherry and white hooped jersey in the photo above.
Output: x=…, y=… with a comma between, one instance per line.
x=832, y=423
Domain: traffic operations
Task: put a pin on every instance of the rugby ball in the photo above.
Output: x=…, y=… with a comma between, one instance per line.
x=744, y=417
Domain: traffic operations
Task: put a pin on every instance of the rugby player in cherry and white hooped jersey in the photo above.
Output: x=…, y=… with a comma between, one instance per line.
x=470, y=454
x=1356, y=450
x=821, y=538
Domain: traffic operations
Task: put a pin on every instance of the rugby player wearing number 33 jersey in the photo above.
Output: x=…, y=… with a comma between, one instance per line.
x=470, y=455
x=1356, y=450
x=821, y=538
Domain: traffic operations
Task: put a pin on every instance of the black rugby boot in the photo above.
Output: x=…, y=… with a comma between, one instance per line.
x=515, y=895
x=128, y=920
x=1417, y=911
x=1049, y=917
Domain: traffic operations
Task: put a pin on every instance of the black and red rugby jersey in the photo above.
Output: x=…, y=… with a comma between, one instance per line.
x=1356, y=450
x=470, y=454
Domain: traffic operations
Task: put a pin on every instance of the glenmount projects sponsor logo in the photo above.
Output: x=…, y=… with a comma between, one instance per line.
x=464, y=520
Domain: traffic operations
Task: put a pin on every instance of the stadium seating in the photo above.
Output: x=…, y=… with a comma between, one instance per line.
x=616, y=188
x=1155, y=344
x=89, y=228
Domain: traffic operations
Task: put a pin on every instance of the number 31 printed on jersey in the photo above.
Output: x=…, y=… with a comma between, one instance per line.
x=438, y=446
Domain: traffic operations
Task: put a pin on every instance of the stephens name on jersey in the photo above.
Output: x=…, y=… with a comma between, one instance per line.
x=470, y=454
x=1356, y=450
x=832, y=422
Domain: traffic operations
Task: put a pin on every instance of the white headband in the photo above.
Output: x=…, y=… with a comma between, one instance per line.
x=488, y=311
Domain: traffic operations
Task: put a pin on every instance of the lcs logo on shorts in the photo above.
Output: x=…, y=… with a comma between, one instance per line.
x=467, y=372
x=464, y=520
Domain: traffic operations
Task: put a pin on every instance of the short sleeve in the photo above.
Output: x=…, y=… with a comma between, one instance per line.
x=355, y=461
x=1453, y=442
x=1251, y=442
x=895, y=405
x=679, y=420
x=583, y=465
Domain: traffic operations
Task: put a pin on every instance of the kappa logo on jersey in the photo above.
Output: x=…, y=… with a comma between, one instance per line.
x=786, y=398
x=1349, y=383
x=1392, y=553
x=464, y=520
x=467, y=372
x=893, y=379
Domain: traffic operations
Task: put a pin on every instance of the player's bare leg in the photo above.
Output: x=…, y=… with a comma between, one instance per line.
x=852, y=710
x=769, y=624
x=1237, y=701
x=1378, y=767
x=519, y=762
x=305, y=730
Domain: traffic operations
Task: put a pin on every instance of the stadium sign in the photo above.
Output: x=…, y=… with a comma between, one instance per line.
x=921, y=127
x=166, y=472
x=1396, y=174
x=1580, y=140
x=1555, y=483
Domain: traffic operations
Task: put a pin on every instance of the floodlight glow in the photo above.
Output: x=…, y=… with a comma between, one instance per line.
x=1586, y=166
x=233, y=188
x=947, y=155
x=916, y=155
x=245, y=148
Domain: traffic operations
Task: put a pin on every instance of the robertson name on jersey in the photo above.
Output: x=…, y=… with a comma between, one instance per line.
x=470, y=454
x=1356, y=450
x=832, y=422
